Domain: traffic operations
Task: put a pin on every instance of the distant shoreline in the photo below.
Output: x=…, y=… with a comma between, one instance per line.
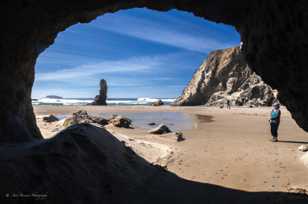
x=110, y=101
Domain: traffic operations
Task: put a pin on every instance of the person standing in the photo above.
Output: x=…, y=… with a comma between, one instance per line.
x=228, y=104
x=275, y=121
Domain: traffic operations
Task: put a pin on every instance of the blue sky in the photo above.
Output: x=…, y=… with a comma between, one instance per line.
x=140, y=52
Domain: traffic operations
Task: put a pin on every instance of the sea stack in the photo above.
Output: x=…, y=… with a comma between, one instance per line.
x=226, y=76
x=101, y=98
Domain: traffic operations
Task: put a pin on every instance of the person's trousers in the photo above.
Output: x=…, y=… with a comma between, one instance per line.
x=274, y=129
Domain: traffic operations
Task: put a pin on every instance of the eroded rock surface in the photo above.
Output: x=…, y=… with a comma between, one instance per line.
x=225, y=75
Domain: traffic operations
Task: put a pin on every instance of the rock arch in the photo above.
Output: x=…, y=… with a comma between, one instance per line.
x=273, y=34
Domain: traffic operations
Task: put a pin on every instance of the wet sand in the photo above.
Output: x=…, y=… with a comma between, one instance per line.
x=230, y=148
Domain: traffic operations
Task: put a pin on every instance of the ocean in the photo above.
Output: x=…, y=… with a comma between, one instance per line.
x=110, y=101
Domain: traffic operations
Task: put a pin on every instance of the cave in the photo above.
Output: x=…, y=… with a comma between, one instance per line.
x=273, y=35
x=273, y=32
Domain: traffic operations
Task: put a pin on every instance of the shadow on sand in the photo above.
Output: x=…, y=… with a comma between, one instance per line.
x=169, y=188
x=294, y=142
x=86, y=164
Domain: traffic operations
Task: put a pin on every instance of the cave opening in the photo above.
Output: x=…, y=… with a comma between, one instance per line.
x=142, y=54
x=130, y=54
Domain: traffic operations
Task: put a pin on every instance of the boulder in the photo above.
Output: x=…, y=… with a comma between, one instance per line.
x=179, y=136
x=50, y=119
x=180, y=139
x=82, y=116
x=99, y=120
x=120, y=121
x=102, y=97
x=160, y=129
x=159, y=102
x=225, y=75
x=303, y=148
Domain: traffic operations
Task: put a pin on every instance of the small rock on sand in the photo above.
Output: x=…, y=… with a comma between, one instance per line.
x=303, y=148
x=120, y=121
x=179, y=136
x=161, y=129
x=50, y=119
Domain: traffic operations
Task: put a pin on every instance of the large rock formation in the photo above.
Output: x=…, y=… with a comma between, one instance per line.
x=225, y=75
x=102, y=97
x=274, y=35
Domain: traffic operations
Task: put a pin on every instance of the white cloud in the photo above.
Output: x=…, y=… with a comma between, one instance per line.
x=54, y=58
x=136, y=65
x=156, y=32
x=129, y=77
x=80, y=72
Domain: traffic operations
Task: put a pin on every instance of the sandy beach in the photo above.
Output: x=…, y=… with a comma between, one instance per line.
x=229, y=148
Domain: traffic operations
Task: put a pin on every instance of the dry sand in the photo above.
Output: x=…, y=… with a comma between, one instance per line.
x=230, y=148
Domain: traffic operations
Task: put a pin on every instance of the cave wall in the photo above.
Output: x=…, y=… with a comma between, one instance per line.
x=273, y=31
x=276, y=47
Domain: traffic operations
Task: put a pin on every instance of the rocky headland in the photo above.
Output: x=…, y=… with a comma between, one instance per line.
x=225, y=76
